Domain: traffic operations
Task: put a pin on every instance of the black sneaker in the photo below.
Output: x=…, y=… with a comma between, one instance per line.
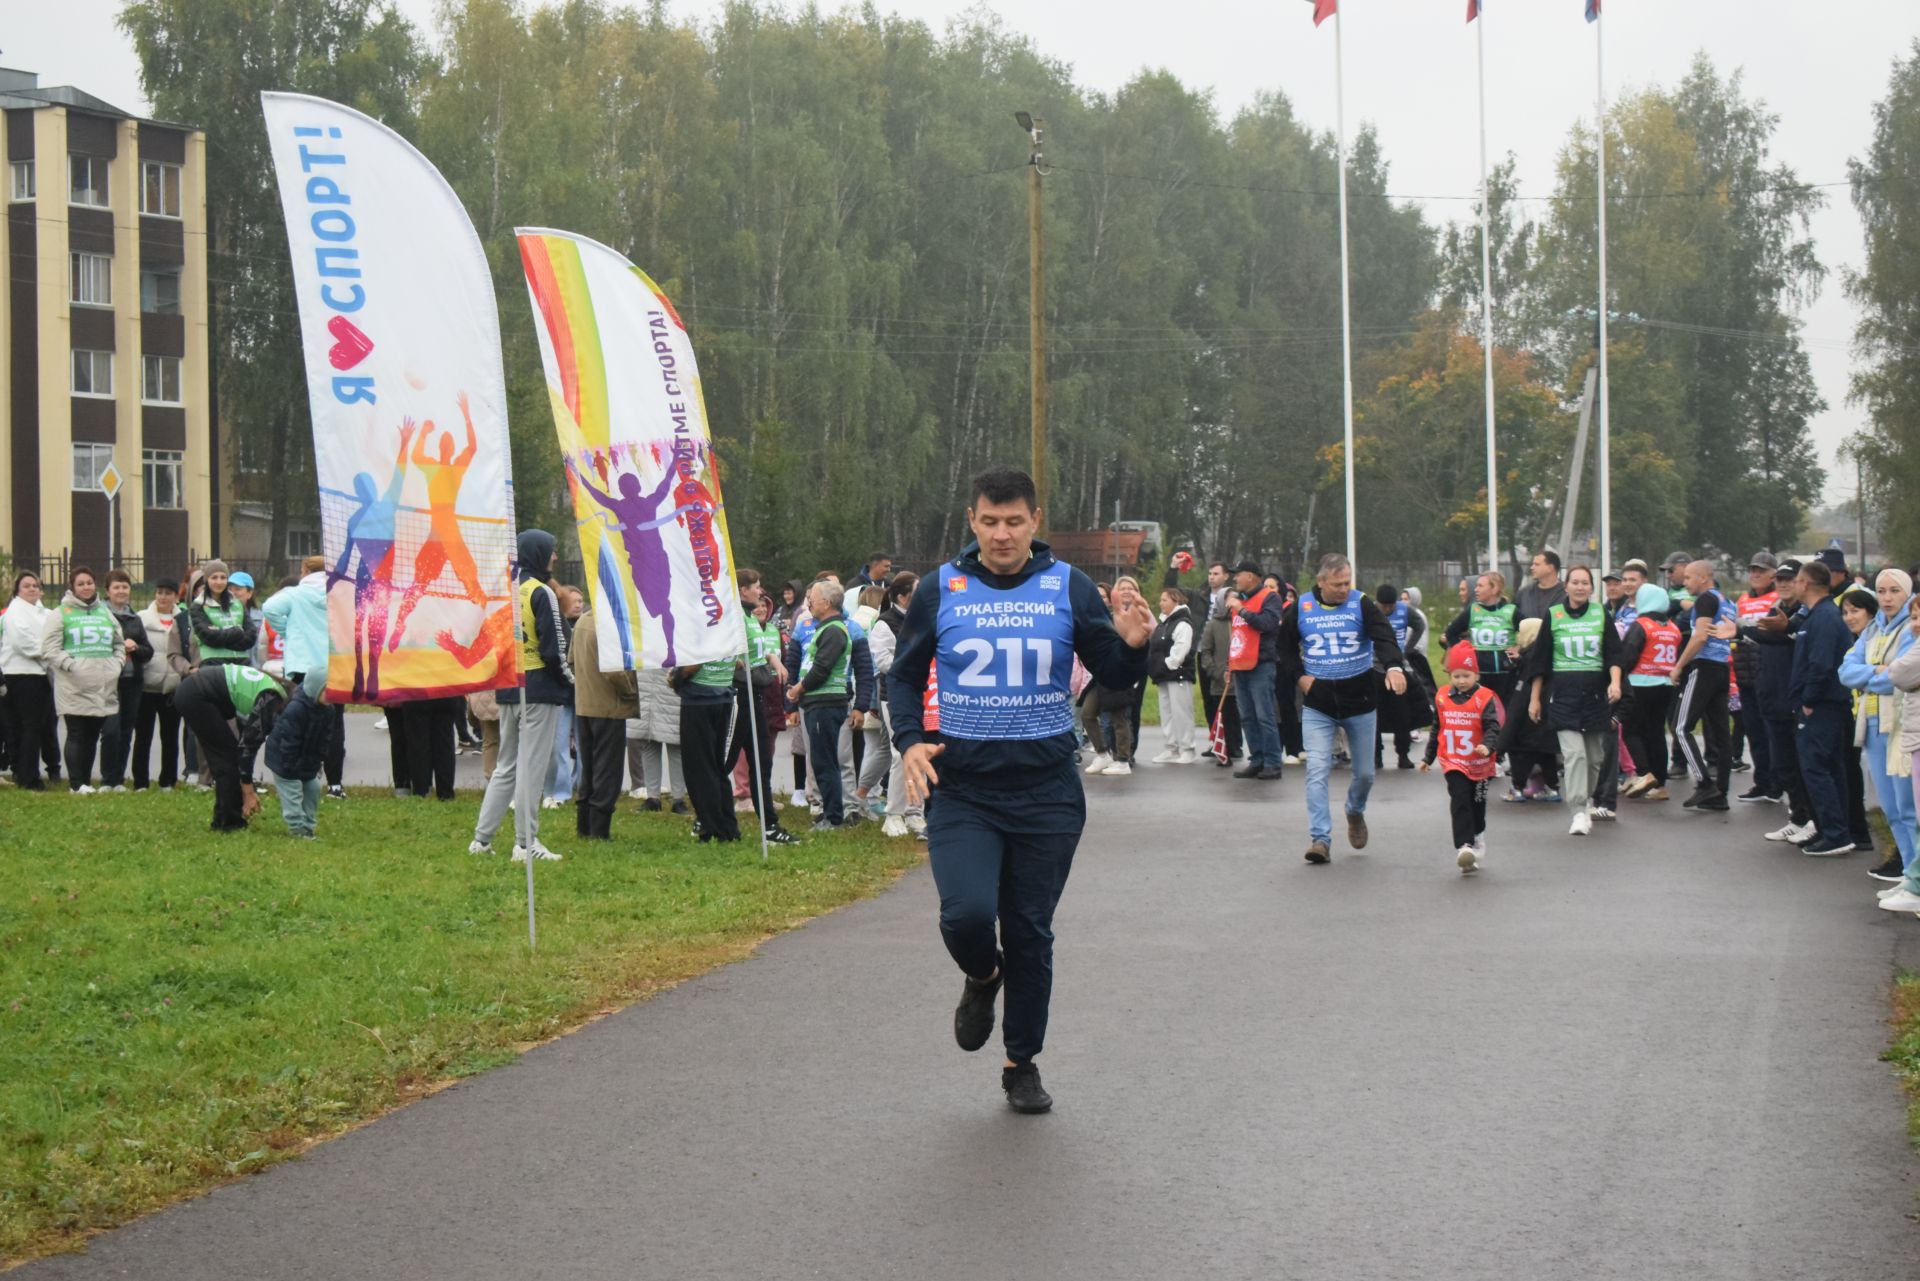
x=1269, y=773
x=1740, y=767
x=681, y=807
x=973, y=1017
x=1891, y=871
x=778, y=835
x=1755, y=793
x=1716, y=800
x=1251, y=771
x=1701, y=795
x=1405, y=762
x=652, y=805
x=1821, y=847
x=337, y=792
x=1025, y=1094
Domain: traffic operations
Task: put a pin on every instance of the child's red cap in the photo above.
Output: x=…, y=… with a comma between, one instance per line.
x=1461, y=656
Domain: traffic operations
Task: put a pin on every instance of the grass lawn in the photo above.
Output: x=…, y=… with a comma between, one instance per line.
x=177, y=1008
x=1905, y=1054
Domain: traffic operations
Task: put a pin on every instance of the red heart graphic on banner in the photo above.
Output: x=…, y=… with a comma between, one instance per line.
x=350, y=346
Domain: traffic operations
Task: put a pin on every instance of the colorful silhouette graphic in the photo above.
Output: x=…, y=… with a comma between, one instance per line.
x=495, y=637
x=371, y=532
x=444, y=544
x=636, y=515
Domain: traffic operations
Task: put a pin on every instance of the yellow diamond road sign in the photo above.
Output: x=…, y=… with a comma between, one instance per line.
x=110, y=481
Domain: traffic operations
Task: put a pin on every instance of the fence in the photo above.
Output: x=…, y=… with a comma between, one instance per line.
x=55, y=568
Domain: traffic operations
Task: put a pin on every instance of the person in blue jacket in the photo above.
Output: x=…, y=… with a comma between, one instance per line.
x=1885, y=638
x=982, y=715
x=1825, y=726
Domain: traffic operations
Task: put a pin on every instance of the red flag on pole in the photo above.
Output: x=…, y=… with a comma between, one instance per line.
x=1324, y=9
x=1218, y=746
x=1473, y=9
x=1593, y=10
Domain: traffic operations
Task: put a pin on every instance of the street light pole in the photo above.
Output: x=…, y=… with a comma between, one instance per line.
x=1037, y=306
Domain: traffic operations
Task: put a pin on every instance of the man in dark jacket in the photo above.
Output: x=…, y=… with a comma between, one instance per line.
x=1331, y=643
x=1762, y=594
x=1824, y=707
x=116, y=737
x=1254, y=685
x=1004, y=806
x=1770, y=642
x=530, y=711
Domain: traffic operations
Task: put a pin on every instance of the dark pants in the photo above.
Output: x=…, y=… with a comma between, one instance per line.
x=1703, y=702
x=1646, y=725
x=399, y=758
x=1467, y=804
x=1227, y=708
x=206, y=719
x=1821, y=740
x=1606, y=792
x=1786, y=770
x=1759, y=744
x=83, y=741
x=32, y=739
x=1287, y=706
x=116, y=736
x=1259, y=713
x=823, y=750
x=753, y=735
x=156, y=707
x=603, y=759
x=429, y=744
x=705, y=724
x=1004, y=855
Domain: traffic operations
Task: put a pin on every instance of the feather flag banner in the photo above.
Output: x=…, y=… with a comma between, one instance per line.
x=1323, y=9
x=632, y=425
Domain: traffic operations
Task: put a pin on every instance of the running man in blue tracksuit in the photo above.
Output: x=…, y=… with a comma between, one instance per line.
x=994, y=633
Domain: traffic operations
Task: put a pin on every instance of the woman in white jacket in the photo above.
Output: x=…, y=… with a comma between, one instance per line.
x=31, y=736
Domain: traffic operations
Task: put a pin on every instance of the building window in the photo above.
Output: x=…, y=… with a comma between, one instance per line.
x=160, y=380
x=161, y=479
x=92, y=373
x=159, y=189
x=89, y=461
x=92, y=280
x=160, y=291
x=23, y=180
x=303, y=541
x=87, y=183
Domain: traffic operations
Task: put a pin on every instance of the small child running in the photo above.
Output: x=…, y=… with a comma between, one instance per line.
x=1466, y=720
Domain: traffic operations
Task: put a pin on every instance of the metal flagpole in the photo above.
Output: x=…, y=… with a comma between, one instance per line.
x=1486, y=305
x=1346, y=287
x=1600, y=151
x=762, y=785
x=520, y=749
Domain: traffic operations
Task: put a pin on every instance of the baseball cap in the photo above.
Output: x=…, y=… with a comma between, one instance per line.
x=1675, y=558
x=1789, y=567
x=1635, y=563
x=1763, y=560
x=1613, y=577
x=241, y=579
x=1248, y=567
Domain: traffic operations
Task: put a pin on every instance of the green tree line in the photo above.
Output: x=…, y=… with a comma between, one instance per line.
x=837, y=204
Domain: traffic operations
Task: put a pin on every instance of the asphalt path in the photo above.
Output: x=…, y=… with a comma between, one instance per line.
x=1648, y=1054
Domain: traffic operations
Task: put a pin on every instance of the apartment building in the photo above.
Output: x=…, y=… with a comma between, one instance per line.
x=104, y=334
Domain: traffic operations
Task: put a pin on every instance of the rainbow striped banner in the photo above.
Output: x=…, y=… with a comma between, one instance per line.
x=632, y=423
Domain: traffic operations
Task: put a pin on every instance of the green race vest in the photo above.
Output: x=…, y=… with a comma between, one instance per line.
x=223, y=616
x=90, y=633
x=764, y=639
x=1490, y=629
x=1576, y=641
x=715, y=675
x=245, y=685
x=836, y=682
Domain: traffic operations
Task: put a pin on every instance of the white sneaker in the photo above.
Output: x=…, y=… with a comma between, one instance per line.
x=1166, y=756
x=638, y=794
x=1119, y=769
x=540, y=853
x=816, y=809
x=894, y=826
x=551, y=802
x=381, y=723
x=85, y=789
x=1901, y=900
x=1895, y=888
x=117, y=787
x=478, y=846
x=1787, y=833
x=1480, y=845
x=1582, y=825
x=1187, y=757
x=1099, y=764
x=1468, y=860
x=1293, y=760
x=917, y=824
x=1804, y=834
x=1599, y=812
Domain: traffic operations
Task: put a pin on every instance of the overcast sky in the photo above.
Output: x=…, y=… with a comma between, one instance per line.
x=1409, y=71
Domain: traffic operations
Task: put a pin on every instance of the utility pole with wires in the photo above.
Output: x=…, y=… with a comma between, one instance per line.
x=1037, y=304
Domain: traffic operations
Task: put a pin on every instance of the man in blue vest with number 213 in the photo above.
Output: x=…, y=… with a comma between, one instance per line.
x=983, y=717
x=1332, y=641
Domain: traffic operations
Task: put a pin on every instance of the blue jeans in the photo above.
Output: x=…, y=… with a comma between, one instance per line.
x=299, y=803
x=1318, y=730
x=1896, y=794
x=1259, y=716
x=560, y=770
